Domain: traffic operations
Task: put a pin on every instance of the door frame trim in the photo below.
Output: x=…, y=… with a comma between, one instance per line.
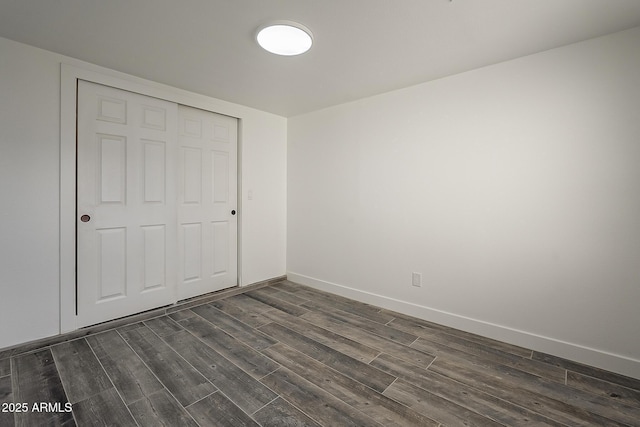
x=69, y=75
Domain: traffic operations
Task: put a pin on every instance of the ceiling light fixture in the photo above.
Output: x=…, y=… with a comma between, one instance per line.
x=285, y=38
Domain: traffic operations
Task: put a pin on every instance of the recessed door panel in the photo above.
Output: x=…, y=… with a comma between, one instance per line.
x=192, y=172
x=221, y=254
x=154, y=117
x=113, y=168
x=111, y=280
x=191, y=127
x=192, y=252
x=221, y=132
x=220, y=176
x=154, y=170
x=155, y=246
x=112, y=109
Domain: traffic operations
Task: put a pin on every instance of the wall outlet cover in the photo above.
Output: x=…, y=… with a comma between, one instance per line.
x=416, y=279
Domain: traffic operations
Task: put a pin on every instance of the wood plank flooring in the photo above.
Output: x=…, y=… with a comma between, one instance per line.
x=289, y=355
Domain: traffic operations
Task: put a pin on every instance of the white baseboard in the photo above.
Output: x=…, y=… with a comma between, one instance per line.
x=589, y=356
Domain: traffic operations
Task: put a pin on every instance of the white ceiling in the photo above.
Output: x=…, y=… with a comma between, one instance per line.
x=362, y=47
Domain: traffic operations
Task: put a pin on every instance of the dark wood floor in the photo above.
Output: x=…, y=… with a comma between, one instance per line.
x=288, y=355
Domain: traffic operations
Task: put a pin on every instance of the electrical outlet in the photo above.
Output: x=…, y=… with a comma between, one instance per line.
x=416, y=279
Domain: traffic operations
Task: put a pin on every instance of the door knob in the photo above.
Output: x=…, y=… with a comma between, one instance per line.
x=85, y=218
x=233, y=212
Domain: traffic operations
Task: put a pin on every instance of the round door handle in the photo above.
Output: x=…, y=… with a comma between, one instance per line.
x=85, y=218
x=233, y=212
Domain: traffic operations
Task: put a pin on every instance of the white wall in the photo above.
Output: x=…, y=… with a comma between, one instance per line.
x=514, y=189
x=30, y=190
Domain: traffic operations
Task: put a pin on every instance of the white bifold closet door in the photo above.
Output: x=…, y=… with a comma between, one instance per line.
x=138, y=247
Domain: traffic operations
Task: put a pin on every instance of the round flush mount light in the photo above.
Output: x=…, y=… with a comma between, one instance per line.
x=285, y=38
